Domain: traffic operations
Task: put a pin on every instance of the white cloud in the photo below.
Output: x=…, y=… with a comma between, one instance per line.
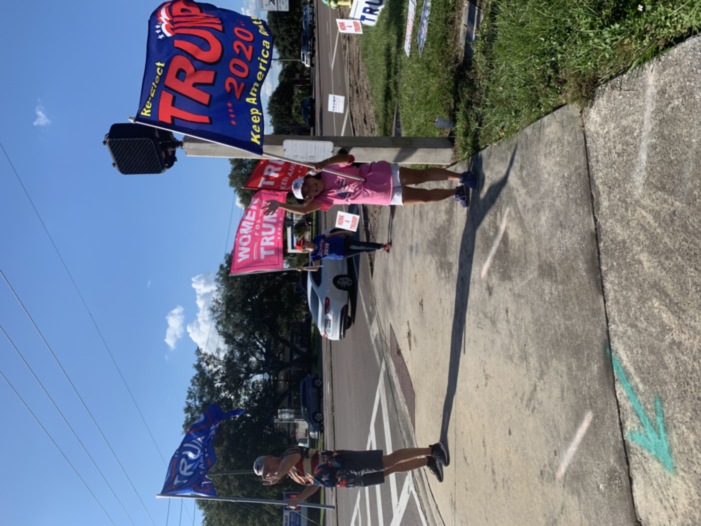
x=272, y=80
x=41, y=118
x=202, y=330
x=250, y=8
x=176, y=319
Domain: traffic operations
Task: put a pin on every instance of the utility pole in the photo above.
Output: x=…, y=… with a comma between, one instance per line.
x=397, y=150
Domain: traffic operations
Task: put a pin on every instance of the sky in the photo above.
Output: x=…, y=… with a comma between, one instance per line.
x=105, y=278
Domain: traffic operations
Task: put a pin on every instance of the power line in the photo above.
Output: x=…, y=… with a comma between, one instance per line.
x=226, y=245
x=55, y=444
x=75, y=389
x=85, y=305
x=58, y=410
x=97, y=329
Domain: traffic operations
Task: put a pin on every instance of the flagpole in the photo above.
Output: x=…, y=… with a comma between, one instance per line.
x=248, y=501
x=312, y=167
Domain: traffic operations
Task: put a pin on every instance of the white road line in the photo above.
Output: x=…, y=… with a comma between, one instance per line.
x=400, y=508
x=335, y=48
x=388, y=438
x=376, y=403
x=372, y=326
x=399, y=502
x=345, y=118
x=367, y=505
x=378, y=497
x=356, y=510
x=569, y=454
x=495, y=245
x=418, y=506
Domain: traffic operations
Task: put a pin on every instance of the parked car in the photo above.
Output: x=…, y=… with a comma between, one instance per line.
x=311, y=391
x=330, y=292
x=307, y=111
x=307, y=53
x=308, y=17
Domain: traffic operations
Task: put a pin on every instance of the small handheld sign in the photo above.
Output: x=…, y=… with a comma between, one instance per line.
x=347, y=221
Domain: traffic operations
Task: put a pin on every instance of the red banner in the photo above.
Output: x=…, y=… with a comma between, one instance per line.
x=258, y=243
x=275, y=175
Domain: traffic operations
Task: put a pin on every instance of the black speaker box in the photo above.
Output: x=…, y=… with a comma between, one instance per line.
x=138, y=149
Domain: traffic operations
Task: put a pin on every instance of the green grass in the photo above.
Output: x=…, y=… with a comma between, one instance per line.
x=423, y=84
x=531, y=57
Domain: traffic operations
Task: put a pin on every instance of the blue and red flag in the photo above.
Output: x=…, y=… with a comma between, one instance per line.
x=187, y=471
x=204, y=75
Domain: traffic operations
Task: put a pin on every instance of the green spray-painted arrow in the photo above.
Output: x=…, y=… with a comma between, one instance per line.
x=652, y=440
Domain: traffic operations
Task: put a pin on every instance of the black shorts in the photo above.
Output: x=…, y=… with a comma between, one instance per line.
x=365, y=465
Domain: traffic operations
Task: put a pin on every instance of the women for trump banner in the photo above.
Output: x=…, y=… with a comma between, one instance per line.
x=258, y=243
x=204, y=74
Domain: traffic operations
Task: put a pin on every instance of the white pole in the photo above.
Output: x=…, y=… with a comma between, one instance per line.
x=247, y=501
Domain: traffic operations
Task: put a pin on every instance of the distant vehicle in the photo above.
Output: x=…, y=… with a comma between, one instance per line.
x=307, y=17
x=307, y=51
x=311, y=391
x=307, y=35
x=330, y=291
x=307, y=111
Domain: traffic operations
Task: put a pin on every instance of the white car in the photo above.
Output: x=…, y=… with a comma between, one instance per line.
x=306, y=55
x=330, y=293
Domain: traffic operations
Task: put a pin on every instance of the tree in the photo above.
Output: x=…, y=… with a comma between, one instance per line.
x=286, y=27
x=258, y=317
x=237, y=442
x=269, y=307
x=241, y=170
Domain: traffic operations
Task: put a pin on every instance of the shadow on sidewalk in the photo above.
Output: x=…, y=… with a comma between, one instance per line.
x=478, y=211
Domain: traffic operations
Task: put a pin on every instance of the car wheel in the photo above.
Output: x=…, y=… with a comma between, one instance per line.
x=318, y=383
x=318, y=416
x=343, y=282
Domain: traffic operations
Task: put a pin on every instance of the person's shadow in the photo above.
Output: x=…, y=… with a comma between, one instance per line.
x=478, y=211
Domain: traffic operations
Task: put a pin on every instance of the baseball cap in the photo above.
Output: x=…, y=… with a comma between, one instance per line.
x=297, y=187
x=259, y=465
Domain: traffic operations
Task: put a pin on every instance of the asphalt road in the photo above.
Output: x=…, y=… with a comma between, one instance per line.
x=330, y=74
x=361, y=413
x=360, y=408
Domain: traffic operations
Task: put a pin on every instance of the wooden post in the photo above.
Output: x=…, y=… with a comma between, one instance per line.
x=397, y=150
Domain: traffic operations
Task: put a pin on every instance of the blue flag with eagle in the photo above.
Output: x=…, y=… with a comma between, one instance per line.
x=187, y=470
x=204, y=74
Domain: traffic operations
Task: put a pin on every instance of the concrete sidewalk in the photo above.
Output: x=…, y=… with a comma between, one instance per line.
x=552, y=333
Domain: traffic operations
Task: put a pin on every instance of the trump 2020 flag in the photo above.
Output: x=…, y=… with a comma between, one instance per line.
x=258, y=243
x=205, y=69
x=187, y=471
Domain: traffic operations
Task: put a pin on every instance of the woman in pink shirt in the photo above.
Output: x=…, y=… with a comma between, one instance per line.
x=381, y=183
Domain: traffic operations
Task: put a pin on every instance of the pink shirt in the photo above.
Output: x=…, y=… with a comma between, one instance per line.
x=375, y=190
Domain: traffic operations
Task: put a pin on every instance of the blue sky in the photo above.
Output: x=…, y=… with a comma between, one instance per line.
x=140, y=249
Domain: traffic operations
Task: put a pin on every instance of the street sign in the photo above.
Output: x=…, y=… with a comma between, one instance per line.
x=307, y=151
x=274, y=5
x=353, y=27
x=336, y=103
